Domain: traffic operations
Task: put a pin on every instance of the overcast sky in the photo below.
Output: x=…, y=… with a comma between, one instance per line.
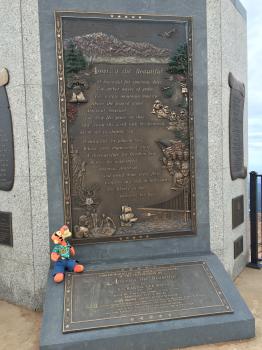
x=254, y=13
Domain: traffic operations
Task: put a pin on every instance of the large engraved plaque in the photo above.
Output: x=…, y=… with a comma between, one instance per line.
x=236, y=116
x=125, y=94
x=141, y=295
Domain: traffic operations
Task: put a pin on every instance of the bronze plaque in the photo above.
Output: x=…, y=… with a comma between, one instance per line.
x=6, y=141
x=100, y=299
x=238, y=246
x=125, y=94
x=236, y=115
x=6, y=233
x=237, y=211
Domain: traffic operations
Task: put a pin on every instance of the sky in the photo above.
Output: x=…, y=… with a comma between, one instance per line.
x=254, y=20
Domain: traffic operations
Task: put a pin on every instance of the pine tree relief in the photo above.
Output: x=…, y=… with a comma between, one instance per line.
x=74, y=59
x=179, y=62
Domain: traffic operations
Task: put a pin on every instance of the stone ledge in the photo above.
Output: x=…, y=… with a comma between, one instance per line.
x=154, y=336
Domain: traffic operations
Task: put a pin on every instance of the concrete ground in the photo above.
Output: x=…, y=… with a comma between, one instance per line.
x=19, y=327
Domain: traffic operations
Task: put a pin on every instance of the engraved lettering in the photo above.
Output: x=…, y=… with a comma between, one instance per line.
x=127, y=129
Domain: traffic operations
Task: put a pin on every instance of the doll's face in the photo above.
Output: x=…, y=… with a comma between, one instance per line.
x=60, y=235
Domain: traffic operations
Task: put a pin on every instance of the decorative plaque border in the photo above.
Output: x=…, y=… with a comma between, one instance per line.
x=156, y=311
x=59, y=15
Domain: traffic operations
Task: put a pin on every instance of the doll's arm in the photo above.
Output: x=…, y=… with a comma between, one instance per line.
x=54, y=256
x=72, y=251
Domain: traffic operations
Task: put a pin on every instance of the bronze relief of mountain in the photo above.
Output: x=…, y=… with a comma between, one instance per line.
x=101, y=44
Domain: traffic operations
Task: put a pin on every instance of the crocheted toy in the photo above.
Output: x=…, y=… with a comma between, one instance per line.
x=62, y=253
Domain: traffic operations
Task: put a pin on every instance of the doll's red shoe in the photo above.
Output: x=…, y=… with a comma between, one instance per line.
x=59, y=277
x=79, y=268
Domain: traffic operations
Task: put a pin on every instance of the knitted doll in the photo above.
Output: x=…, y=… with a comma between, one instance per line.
x=62, y=253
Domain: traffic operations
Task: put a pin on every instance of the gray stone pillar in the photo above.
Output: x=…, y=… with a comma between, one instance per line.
x=227, y=52
x=24, y=266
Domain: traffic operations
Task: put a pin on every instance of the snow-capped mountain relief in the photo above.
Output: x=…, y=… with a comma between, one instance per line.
x=101, y=44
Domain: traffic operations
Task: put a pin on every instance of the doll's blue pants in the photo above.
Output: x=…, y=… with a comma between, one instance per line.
x=63, y=265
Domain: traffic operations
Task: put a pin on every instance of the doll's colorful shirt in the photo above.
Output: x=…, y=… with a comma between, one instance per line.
x=62, y=250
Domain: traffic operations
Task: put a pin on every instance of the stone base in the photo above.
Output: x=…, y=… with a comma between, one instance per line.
x=162, y=335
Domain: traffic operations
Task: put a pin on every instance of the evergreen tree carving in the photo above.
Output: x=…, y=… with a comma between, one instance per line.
x=179, y=62
x=74, y=59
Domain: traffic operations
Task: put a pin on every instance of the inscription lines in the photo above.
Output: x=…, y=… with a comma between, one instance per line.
x=139, y=273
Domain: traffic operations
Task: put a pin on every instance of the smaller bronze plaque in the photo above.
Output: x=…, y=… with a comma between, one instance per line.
x=238, y=246
x=6, y=235
x=7, y=166
x=236, y=115
x=237, y=211
x=102, y=299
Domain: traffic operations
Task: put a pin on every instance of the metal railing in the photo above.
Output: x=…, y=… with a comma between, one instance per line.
x=255, y=219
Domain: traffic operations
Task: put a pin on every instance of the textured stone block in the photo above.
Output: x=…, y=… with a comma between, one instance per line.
x=31, y=43
x=35, y=127
x=18, y=202
x=40, y=229
x=41, y=275
x=226, y=46
x=11, y=50
x=20, y=53
x=16, y=282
